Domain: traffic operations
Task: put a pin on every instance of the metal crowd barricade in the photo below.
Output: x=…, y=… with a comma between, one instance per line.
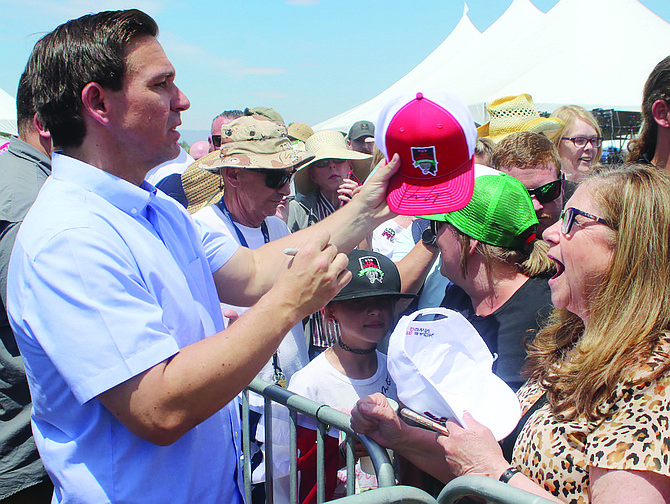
x=492, y=491
x=326, y=418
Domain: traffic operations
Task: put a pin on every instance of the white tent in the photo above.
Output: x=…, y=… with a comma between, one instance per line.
x=593, y=53
x=7, y=114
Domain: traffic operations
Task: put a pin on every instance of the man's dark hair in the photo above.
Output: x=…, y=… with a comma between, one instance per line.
x=91, y=48
x=25, y=108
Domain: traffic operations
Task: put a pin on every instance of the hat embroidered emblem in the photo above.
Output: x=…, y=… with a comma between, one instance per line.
x=371, y=269
x=425, y=159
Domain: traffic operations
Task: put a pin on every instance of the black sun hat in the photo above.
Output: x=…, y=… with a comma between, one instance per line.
x=374, y=274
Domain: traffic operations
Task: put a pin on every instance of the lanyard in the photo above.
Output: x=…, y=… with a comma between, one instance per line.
x=278, y=375
x=240, y=236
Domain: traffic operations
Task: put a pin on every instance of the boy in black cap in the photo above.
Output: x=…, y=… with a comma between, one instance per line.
x=352, y=368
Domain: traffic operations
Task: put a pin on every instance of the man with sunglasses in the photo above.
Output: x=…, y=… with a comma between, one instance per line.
x=255, y=177
x=224, y=117
x=533, y=159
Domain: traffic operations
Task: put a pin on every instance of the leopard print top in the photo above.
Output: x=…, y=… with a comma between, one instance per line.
x=634, y=434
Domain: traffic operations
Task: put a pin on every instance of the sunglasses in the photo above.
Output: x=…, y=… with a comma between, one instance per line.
x=582, y=141
x=275, y=179
x=435, y=226
x=547, y=192
x=322, y=163
x=568, y=215
x=216, y=140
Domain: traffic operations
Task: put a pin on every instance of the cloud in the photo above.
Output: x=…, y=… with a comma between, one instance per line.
x=178, y=50
x=302, y=2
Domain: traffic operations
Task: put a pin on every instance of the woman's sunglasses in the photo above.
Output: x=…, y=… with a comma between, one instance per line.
x=322, y=163
x=547, y=192
x=275, y=179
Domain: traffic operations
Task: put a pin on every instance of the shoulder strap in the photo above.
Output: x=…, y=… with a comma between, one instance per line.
x=508, y=443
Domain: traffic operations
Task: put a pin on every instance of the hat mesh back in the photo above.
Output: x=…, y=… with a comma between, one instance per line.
x=499, y=212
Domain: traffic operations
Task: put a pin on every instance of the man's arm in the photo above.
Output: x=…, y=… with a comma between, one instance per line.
x=166, y=401
x=253, y=272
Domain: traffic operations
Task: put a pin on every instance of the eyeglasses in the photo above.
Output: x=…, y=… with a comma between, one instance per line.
x=322, y=163
x=216, y=140
x=274, y=179
x=547, y=192
x=582, y=141
x=568, y=218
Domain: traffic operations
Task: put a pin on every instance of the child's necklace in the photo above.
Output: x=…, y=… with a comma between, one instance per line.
x=358, y=351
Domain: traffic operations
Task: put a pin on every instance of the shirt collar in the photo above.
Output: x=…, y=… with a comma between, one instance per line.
x=124, y=195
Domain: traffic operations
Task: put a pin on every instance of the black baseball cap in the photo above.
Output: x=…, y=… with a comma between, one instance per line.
x=374, y=274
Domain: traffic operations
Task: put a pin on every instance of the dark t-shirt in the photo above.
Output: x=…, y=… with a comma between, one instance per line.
x=504, y=330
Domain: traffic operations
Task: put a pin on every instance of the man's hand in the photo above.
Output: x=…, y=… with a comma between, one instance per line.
x=313, y=276
x=373, y=192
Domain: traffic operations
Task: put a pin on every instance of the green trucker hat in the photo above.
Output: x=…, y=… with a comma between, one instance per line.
x=500, y=213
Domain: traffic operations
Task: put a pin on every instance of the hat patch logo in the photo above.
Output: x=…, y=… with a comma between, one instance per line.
x=420, y=331
x=425, y=160
x=371, y=269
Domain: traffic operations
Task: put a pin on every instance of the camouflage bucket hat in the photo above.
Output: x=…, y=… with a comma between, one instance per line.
x=253, y=142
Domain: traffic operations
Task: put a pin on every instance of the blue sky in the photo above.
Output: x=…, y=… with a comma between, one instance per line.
x=309, y=59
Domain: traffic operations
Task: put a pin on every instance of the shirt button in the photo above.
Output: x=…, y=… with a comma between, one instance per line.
x=133, y=211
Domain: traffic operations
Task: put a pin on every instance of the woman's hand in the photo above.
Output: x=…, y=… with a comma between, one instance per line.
x=374, y=417
x=473, y=450
x=348, y=188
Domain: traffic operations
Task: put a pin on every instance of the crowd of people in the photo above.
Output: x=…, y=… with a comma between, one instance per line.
x=144, y=286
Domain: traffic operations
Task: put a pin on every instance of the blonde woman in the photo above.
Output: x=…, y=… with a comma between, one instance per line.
x=579, y=141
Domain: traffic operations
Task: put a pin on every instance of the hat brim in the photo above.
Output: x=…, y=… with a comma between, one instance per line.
x=201, y=187
x=368, y=294
x=453, y=191
x=283, y=160
x=535, y=125
x=483, y=130
x=362, y=168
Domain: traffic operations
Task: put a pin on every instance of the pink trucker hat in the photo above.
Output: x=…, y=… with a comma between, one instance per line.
x=435, y=136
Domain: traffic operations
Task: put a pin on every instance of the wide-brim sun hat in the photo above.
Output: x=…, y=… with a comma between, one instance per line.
x=246, y=142
x=500, y=212
x=434, y=134
x=373, y=274
x=513, y=114
x=330, y=144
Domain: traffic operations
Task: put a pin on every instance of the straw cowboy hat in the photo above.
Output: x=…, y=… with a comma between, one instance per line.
x=511, y=114
x=330, y=144
x=246, y=142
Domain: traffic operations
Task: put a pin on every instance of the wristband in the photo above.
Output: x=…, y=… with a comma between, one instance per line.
x=508, y=474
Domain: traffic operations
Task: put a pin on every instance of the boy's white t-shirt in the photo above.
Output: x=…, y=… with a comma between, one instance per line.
x=322, y=383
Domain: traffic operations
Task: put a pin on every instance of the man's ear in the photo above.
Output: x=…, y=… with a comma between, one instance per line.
x=660, y=111
x=232, y=176
x=42, y=131
x=93, y=98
